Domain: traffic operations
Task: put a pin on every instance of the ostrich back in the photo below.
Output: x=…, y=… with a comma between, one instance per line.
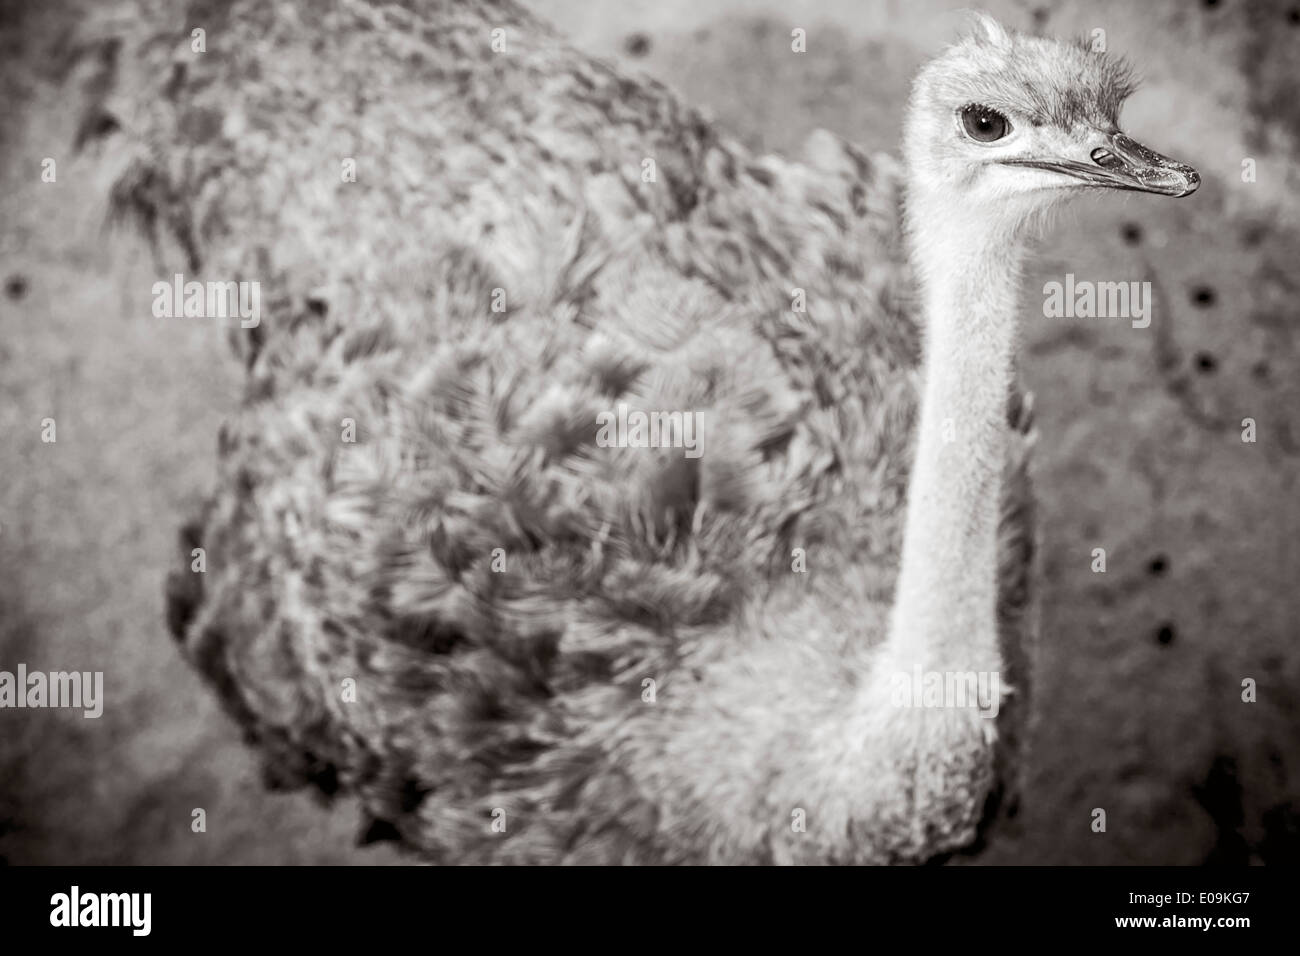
x=427, y=583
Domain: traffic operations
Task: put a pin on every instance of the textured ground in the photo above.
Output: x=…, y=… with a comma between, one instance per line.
x=1140, y=451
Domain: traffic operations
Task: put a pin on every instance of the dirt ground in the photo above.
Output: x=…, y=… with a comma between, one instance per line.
x=1139, y=688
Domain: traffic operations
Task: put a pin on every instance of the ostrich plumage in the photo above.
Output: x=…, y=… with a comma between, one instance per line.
x=520, y=695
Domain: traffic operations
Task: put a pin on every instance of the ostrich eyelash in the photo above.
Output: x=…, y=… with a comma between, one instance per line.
x=962, y=110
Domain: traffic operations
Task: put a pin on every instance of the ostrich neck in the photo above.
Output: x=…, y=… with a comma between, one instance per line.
x=945, y=608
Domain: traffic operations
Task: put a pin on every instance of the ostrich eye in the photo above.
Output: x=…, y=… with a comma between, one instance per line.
x=983, y=124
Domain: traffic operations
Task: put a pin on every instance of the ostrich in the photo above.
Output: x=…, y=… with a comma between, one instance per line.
x=428, y=585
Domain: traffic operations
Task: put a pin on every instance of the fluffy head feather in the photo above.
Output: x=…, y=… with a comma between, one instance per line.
x=1048, y=81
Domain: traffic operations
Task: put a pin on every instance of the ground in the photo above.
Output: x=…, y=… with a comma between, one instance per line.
x=1139, y=708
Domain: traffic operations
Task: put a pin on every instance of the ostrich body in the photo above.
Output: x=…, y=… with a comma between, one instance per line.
x=473, y=614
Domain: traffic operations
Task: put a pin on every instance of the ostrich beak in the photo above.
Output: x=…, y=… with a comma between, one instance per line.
x=1124, y=163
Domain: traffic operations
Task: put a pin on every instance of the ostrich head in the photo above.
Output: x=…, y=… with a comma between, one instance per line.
x=1004, y=125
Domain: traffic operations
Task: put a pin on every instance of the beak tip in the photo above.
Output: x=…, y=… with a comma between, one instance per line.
x=1152, y=171
x=1174, y=181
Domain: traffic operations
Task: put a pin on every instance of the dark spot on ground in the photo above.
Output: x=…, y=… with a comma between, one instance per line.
x=1253, y=233
x=1203, y=296
x=1159, y=564
x=16, y=286
x=636, y=44
x=1205, y=362
x=1260, y=370
x=1165, y=635
x=1132, y=233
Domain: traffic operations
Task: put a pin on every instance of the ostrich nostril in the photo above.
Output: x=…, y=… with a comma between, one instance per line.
x=1105, y=158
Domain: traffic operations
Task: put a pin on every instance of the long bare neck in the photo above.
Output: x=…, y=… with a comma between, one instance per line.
x=944, y=614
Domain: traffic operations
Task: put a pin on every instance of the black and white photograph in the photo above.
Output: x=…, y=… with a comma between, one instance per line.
x=650, y=432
